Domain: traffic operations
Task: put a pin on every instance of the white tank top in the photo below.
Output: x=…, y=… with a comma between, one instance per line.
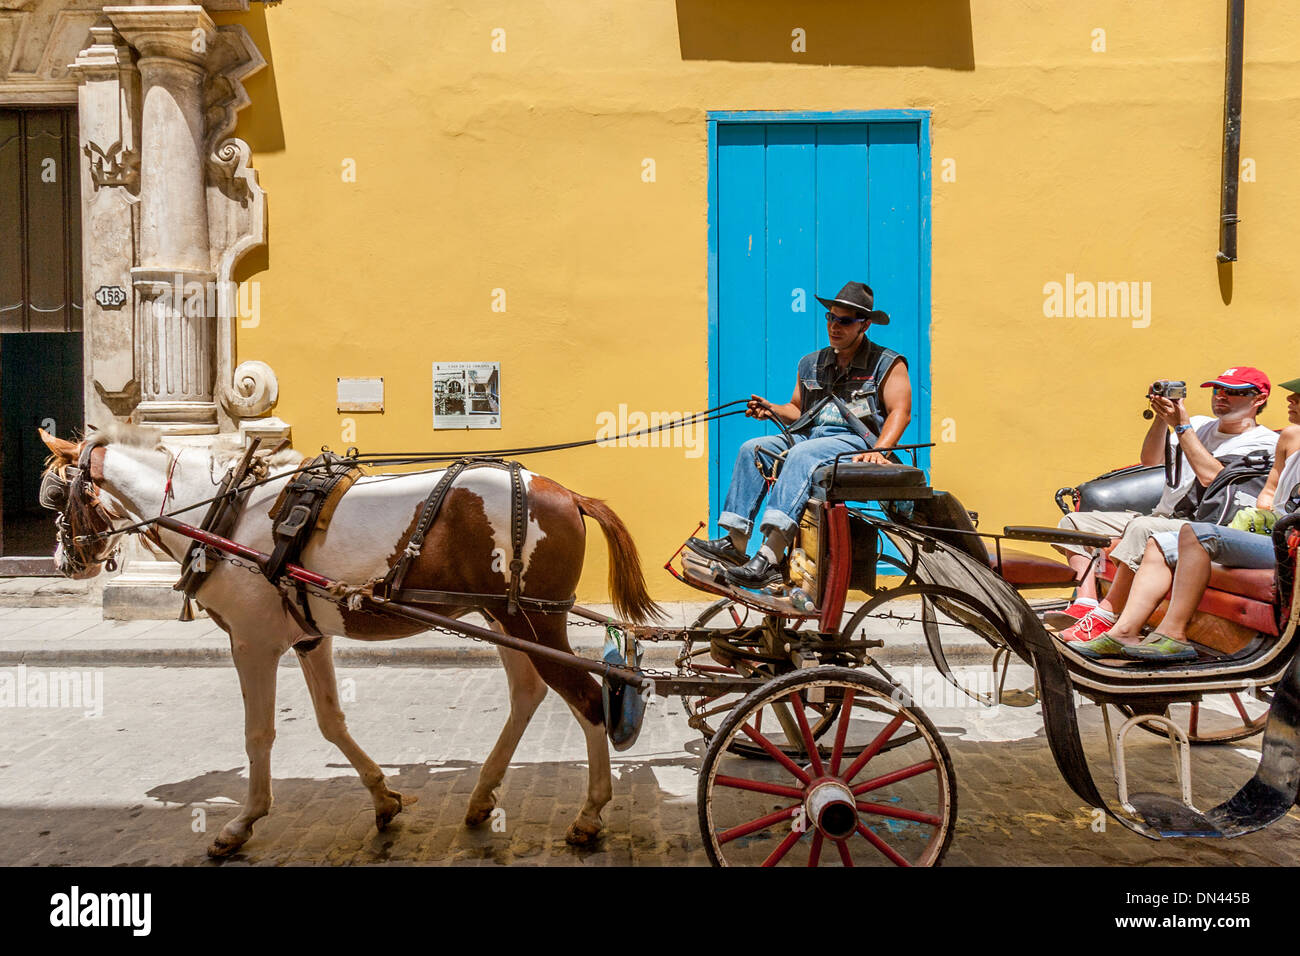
x=1286, y=483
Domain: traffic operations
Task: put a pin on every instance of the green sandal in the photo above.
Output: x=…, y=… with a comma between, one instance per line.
x=1104, y=646
x=1161, y=648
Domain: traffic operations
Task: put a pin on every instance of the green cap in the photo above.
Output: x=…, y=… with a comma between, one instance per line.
x=1291, y=386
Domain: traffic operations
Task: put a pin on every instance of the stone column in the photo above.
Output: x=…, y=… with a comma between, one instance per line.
x=176, y=332
x=108, y=95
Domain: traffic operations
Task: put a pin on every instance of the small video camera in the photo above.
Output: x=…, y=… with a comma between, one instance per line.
x=1170, y=390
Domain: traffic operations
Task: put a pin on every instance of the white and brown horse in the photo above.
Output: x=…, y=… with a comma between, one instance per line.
x=465, y=551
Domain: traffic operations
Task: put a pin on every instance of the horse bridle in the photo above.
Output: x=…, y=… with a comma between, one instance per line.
x=71, y=493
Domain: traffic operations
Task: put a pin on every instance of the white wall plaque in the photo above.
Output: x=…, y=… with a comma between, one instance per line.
x=361, y=395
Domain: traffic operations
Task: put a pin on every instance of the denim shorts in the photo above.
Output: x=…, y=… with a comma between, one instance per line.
x=1226, y=546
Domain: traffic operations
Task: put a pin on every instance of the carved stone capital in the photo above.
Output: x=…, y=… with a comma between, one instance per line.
x=180, y=33
x=106, y=56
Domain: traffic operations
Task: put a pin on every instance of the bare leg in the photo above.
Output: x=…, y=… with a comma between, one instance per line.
x=1081, y=564
x=256, y=662
x=527, y=690
x=1148, y=589
x=318, y=671
x=1117, y=596
x=1189, y=584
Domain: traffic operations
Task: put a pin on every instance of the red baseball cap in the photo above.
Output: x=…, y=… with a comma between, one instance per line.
x=1243, y=376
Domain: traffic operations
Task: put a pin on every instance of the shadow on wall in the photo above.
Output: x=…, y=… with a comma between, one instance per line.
x=836, y=32
x=259, y=122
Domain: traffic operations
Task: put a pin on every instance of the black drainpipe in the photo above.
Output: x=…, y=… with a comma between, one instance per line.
x=1231, y=132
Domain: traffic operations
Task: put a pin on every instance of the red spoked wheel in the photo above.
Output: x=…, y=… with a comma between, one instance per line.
x=877, y=789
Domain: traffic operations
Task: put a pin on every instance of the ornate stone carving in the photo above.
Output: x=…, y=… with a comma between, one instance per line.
x=254, y=393
x=114, y=166
x=38, y=40
x=232, y=58
x=235, y=199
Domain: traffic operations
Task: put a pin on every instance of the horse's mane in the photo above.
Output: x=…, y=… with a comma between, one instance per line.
x=121, y=433
x=224, y=458
x=115, y=432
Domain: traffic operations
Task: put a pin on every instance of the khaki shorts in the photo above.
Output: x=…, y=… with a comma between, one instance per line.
x=1133, y=542
x=1112, y=523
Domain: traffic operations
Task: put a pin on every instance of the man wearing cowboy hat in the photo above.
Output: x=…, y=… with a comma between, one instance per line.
x=853, y=395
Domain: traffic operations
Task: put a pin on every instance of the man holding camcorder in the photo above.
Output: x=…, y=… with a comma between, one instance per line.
x=1239, y=395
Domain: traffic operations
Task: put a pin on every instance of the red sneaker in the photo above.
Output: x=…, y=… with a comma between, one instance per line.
x=1090, y=627
x=1067, y=617
x=1078, y=611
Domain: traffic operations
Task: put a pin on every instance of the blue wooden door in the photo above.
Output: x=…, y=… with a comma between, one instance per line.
x=797, y=210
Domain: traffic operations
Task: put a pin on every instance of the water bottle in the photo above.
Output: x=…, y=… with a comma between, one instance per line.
x=801, y=601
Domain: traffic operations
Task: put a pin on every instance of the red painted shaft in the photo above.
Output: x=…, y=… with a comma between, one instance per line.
x=409, y=611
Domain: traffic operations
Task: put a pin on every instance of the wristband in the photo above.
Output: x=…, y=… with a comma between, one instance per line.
x=1179, y=429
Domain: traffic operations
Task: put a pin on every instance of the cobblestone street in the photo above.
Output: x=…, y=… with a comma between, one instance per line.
x=151, y=780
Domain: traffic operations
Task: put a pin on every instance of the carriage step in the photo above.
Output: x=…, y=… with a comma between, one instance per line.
x=1170, y=817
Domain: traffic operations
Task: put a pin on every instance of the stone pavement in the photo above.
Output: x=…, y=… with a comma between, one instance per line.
x=152, y=779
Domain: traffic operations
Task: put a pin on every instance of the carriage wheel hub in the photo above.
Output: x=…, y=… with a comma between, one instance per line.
x=831, y=808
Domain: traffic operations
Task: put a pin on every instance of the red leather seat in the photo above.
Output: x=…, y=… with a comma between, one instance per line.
x=1023, y=568
x=1256, y=583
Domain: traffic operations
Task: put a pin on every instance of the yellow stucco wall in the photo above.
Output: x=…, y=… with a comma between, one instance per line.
x=521, y=170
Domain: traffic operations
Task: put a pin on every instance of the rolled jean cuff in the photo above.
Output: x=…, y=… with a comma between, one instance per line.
x=734, y=522
x=1167, y=542
x=774, y=520
x=1228, y=547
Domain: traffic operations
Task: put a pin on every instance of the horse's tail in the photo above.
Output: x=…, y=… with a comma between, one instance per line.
x=626, y=582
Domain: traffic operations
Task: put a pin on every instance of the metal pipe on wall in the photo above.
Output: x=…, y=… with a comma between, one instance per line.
x=1231, y=131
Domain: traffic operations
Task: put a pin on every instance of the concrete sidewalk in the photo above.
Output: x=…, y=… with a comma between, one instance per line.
x=79, y=635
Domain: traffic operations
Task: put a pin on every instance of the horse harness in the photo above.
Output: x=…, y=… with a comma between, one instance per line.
x=309, y=500
x=307, y=504
x=389, y=588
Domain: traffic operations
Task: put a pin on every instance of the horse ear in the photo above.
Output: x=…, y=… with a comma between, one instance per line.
x=63, y=449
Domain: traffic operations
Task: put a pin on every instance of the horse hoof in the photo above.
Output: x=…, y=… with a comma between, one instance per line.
x=581, y=836
x=221, y=848
x=385, y=816
x=474, y=818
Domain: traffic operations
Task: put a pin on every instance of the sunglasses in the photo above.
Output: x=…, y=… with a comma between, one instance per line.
x=845, y=319
x=1235, y=392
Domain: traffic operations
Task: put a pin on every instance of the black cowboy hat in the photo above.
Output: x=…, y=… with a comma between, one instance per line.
x=857, y=295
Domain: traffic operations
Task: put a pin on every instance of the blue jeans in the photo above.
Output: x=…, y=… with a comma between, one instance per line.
x=790, y=493
x=1226, y=546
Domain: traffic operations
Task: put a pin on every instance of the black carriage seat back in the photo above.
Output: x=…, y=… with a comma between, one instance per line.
x=946, y=520
x=866, y=481
x=1136, y=488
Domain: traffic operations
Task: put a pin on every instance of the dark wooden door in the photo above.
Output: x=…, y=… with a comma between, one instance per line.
x=40, y=319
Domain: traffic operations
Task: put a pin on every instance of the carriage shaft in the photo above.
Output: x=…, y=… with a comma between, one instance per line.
x=410, y=611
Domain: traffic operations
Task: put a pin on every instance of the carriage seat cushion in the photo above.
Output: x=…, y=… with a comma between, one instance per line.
x=1254, y=583
x=853, y=477
x=1024, y=568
